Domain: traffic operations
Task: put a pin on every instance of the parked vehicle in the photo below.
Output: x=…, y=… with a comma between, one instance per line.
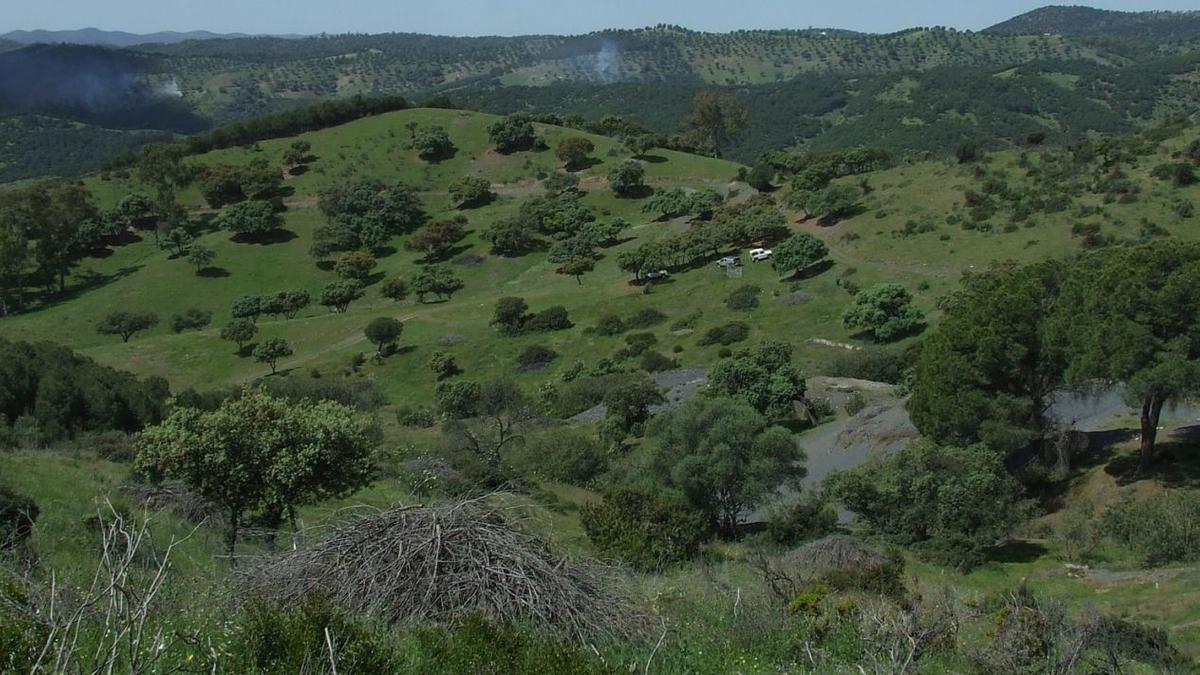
x=657, y=275
x=730, y=261
x=761, y=254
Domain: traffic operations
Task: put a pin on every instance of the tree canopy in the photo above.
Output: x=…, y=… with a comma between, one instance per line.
x=723, y=457
x=260, y=455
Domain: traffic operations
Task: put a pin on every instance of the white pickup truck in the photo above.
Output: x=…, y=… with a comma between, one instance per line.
x=761, y=254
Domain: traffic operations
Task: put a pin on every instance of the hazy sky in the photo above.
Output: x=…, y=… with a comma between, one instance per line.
x=514, y=17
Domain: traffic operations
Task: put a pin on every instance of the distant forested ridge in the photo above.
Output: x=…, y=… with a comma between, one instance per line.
x=1087, y=21
x=1056, y=74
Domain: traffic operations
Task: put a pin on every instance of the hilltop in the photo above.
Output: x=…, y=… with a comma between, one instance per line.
x=1082, y=21
x=111, y=38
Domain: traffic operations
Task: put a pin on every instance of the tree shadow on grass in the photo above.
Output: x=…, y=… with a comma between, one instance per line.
x=1017, y=552
x=651, y=159
x=442, y=156
x=639, y=192
x=83, y=284
x=584, y=165
x=278, y=235
x=812, y=271
x=213, y=272
x=1176, y=462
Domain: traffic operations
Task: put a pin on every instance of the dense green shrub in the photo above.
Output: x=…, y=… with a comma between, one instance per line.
x=479, y=646
x=17, y=516
x=190, y=319
x=610, y=324
x=892, y=366
x=536, y=355
x=807, y=516
x=22, y=635
x=656, y=362
x=550, y=319
x=645, y=530
x=744, y=298
x=726, y=334
x=565, y=454
x=1160, y=529
x=645, y=318
x=65, y=393
x=953, y=503
x=281, y=640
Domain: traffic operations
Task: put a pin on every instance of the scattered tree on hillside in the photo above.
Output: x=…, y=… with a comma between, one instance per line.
x=764, y=378
x=58, y=218
x=797, y=253
x=247, y=307
x=577, y=267
x=285, y=303
x=512, y=134
x=337, y=295
x=628, y=402
x=490, y=422
x=433, y=143
x=355, y=266
x=251, y=220
x=828, y=204
x=627, y=179
x=1132, y=316
x=176, y=242
x=365, y=214
x=986, y=373
x=239, y=332
x=510, y=237
x=297, y=156
x=724, y=458
x=716, y=118
x=259, y=455
x=394, y=288
x=573, y=152
x=885, y=311
x=436, y=239
x=126, y=324
x=510, y=315
x=383, y=333
x=269, y=351
x=470, y=191
x=200, y=257
x=436, y=280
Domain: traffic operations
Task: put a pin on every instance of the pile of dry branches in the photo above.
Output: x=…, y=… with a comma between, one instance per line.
x=175, y=497
x=837, y=552
x=443, y=563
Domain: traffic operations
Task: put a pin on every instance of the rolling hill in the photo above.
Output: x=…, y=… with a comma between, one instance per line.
x=909, y=230
x=1081, y=21
x=1062, y=72
x=111, y=38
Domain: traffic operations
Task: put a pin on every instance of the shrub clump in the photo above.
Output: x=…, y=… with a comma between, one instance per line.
x=645, y=530
x=17, y=516
x=725, y=335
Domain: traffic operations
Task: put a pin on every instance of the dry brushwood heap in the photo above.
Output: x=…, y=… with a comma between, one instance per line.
x=443, y=563
x=837, y=552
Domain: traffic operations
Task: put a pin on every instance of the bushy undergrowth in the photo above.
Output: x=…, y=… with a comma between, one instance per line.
x=645, y=530
x=1160, y=529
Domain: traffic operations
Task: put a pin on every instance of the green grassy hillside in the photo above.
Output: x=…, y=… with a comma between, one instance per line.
x=901, y=234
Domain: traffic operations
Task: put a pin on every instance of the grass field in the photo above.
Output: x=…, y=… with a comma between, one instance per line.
x=865, y=248
x=872, y=246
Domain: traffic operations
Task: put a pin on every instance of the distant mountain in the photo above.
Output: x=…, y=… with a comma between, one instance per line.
x=107, y=38
x=1077, y=21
